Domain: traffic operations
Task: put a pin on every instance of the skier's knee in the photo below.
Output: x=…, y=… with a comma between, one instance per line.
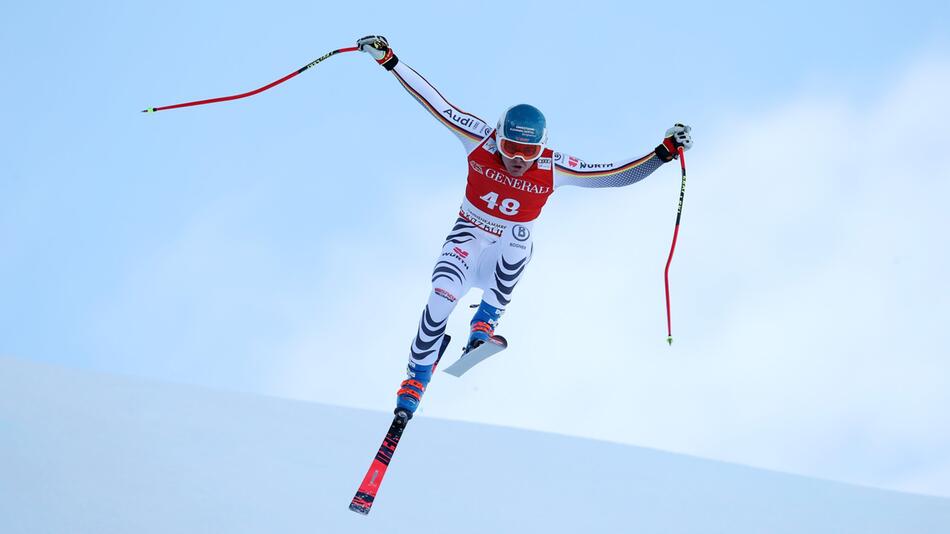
x=448, y=292
x=448, y=280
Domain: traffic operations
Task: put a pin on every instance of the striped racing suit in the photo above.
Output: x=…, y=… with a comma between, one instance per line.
x=490, y=243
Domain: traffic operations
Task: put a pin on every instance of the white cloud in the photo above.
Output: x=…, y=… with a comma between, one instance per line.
x=809, y=300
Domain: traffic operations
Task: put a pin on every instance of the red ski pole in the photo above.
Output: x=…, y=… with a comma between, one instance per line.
x=676, y=231
x=254, y=92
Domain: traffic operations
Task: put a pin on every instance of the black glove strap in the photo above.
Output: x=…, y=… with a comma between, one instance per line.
x=663, y=153
x=389, y=60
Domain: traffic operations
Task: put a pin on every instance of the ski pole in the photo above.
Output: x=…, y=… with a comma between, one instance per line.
x=254, y=92
x=676, y=231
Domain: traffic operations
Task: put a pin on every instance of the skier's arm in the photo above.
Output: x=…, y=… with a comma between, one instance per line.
x=469, y=128
x=570, y=170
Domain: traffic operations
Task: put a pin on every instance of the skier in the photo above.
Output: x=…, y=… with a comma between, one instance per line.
x=511, y=174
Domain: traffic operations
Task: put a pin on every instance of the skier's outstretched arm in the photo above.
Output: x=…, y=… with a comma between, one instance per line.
x=469, y=128
x=569, y=170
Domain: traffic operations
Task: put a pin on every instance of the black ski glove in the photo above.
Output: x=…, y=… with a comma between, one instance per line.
x=677, y=136
x=378, y=47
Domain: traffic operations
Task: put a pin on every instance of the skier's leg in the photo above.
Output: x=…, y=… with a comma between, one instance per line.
x=452, y=277
x=502, y=267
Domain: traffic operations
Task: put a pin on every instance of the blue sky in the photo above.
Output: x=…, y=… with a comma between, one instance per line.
x=281, y=244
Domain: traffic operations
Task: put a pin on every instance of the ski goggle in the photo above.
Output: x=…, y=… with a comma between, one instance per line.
x=526, y=151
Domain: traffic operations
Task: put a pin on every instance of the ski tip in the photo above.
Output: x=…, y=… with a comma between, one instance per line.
x=148, y=110
x=362, y=510
x=669, y=340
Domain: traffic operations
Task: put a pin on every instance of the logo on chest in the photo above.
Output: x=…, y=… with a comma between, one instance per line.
x=521, y=184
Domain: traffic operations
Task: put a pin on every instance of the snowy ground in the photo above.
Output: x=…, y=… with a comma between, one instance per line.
x=91, y=453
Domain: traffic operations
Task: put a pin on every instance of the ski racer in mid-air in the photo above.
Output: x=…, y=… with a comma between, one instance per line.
x=511, y=174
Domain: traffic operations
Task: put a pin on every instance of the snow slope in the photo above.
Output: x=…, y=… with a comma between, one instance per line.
x=92, y=453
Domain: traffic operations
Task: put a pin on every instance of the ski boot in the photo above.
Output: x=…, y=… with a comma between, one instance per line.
x=412, y=388
x=483, y=325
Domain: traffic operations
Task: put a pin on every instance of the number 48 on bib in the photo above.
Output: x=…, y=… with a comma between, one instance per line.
x=508, y=206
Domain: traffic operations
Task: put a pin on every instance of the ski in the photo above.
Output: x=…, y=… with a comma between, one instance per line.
x=363, y=500
x=366, y=494
x=494, y=345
